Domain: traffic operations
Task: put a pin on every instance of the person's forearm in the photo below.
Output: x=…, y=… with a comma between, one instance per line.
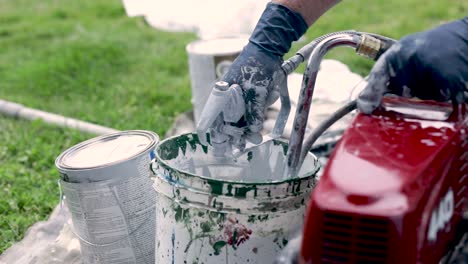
x=310, y=10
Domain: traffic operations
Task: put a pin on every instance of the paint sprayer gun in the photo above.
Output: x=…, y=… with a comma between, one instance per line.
x=226, y=104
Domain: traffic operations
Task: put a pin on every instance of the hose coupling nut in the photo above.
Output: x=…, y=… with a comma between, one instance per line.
x=369, y=47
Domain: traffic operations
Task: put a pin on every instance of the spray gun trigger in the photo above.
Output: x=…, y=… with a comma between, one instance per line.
x=213, y=108
x=225, y=104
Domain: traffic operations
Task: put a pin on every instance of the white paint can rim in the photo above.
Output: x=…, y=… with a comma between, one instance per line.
x=69, y=159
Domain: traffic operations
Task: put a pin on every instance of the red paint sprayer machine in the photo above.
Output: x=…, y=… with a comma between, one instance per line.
x=395, y=187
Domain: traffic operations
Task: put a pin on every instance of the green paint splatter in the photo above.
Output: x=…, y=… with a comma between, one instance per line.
x=217, y=218
x=251, y=219
x=217, y=205
x=170, y=149
x=193, y=144
x=183, y=147
x=285, y=149
x=205, y=149
x=234, y=239
x=261, y=218
x=241, y=192
x=283, y=144
x=298, y=186
x=181, y=214
x=285, y=241
x=178, y=214
x=229, y=190
x=205, y=227
x=216, y=187
x=294, y=187
x=218, y=245
x=249, y=156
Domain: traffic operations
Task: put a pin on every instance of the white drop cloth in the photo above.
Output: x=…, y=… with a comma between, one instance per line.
x=208, y=18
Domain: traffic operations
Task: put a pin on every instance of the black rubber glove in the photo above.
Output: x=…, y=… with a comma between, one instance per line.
x=258, y=68
x=430, y=65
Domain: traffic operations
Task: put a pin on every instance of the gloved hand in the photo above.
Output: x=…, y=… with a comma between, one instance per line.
x=257, y=72
x=430, y=65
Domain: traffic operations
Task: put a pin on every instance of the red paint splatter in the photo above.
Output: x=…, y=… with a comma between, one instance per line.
x=236, y=233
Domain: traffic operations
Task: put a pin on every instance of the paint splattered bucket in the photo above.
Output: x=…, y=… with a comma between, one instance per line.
x=108, y=189
x=209, y=59
x=212, y=210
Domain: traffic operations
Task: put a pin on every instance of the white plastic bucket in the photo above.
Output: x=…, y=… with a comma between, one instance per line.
x=208, y=61
x=225, y=211
x=108, y=189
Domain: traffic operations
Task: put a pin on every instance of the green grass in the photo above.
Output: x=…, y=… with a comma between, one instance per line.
x=28, y=185
x=86, y=59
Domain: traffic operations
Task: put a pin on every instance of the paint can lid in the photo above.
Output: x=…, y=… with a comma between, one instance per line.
x=218, y=46
x=107, y=149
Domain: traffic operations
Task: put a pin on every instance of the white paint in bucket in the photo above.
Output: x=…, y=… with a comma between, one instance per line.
x=107, y=185
x=243, y=214
x=208, y=61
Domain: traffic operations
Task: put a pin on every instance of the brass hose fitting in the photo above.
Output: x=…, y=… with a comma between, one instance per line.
x=369, y=47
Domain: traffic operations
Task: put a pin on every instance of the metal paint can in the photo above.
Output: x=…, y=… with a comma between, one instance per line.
x=107, y=187
x=209, y=59
x=226, y=211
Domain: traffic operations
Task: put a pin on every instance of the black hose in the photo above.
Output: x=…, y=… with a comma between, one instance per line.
x=304, y=53
x=318, y=131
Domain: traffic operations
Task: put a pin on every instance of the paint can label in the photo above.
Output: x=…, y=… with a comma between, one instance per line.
x=108, y=190
x=114, y=222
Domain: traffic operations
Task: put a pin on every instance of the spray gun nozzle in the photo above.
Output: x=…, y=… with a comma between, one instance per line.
x=221, y=86
x=224, y=105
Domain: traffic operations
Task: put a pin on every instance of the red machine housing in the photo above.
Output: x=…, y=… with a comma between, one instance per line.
x=394, y=189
